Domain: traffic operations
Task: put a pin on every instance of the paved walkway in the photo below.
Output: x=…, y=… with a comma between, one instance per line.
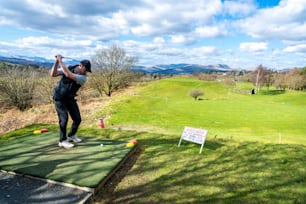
x=20, y=189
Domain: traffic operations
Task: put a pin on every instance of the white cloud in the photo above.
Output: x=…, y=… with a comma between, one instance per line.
x=296, y=48
x=181, y=39
x=48, y=8
x=276, y=52
x=292, y=42
x=142, y=18
x=200, y=11
x=46, y=47
x=169, y=17
x=159, y=40
x=286, y=21
x=51, y=42
x=159, y=31
x=143, y=30
x=239, y=8
x=210, y=31
x=204, y=50
x=253, y=46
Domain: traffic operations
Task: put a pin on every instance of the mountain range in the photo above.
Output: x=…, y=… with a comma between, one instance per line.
x=35, y=61
x=157, y=69
x=182, y=68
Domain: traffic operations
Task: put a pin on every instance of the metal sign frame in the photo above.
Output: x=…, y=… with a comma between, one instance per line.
x=195, y=135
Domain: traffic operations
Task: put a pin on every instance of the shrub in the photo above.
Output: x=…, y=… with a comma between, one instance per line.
x=44, y=89
x=195, y=93
x=17, y=85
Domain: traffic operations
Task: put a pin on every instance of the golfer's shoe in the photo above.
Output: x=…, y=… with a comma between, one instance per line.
x=66, y=144
x=74, y=139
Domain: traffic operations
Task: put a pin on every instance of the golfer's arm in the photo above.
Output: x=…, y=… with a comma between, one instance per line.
x=67, y=72
x=53, y=71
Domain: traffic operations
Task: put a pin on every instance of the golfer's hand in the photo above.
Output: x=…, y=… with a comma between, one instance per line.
x=59, y=57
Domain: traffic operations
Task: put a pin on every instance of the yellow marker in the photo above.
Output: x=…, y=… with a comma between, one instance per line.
x=130, y=144
x=36, y=132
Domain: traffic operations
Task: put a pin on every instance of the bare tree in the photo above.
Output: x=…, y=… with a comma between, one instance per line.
x=279, y=81
x=296, y=79
x=17, y=85
x=269, y=78
x=44, y=89
x=113, y=69
x=259, y=77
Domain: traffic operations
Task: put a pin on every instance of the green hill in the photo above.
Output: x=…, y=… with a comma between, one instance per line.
x=242, y=160
x=166, y=106
x=255, y=150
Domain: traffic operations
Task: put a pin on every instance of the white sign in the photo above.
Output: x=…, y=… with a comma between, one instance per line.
x=195, y=135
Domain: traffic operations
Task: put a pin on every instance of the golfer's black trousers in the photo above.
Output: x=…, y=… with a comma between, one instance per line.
x=63, y=108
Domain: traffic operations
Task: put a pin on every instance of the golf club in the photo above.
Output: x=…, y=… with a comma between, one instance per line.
x=64, y=57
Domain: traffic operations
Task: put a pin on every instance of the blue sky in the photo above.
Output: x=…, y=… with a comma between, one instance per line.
x=239, y=33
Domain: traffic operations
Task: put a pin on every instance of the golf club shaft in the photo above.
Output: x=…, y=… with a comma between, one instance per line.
x=65, y=57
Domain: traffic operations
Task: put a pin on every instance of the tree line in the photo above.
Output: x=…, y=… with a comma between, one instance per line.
x=23, y=86
x=295, y=79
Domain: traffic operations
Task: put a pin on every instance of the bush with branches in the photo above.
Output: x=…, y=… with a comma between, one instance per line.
x=17, y=85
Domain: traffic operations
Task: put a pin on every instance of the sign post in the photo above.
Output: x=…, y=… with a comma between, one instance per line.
x=195, y=135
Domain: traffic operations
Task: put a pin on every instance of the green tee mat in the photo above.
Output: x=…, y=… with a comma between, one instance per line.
x=86, y=164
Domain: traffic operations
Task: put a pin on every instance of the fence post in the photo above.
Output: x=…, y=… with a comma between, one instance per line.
x=279, y=138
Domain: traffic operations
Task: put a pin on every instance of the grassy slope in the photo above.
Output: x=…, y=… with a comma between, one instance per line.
x=242, y=161
x=226, y=172
x=166, y=105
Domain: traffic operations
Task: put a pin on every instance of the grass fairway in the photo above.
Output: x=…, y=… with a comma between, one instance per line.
x=86, y=165
x=167, y=107
x=255, y=150
x=226, y=172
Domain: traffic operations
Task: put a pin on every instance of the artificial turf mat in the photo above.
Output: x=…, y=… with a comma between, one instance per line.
x=86, y=164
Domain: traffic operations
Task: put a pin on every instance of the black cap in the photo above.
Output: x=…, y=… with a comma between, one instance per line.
x=86, y=64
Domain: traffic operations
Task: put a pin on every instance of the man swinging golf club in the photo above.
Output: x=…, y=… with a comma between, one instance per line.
x=73, y=77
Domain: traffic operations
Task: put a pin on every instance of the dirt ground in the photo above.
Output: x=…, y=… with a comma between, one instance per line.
x=12, y=119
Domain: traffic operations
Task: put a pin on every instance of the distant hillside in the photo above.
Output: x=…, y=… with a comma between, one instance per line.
x=182, y=68
x=35, y=61
x=174, y=69
x=21, y=61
